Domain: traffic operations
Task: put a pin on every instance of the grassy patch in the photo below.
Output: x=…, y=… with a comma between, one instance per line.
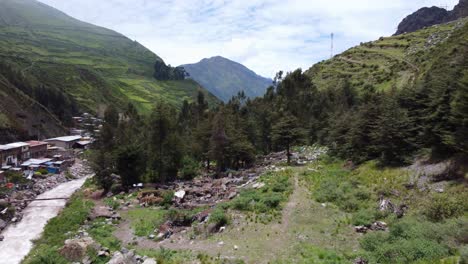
x=307, y=253
x=55, y=233
x=145, y=220
x=102, y=233
x=268, y=199
x=414, y=239
x=165, y=256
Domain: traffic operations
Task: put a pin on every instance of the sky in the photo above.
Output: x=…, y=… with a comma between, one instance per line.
x=264, y=35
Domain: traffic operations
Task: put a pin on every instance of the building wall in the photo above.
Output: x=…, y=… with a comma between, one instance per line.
x=62, y=144
x=12, y=156
x=38, y=151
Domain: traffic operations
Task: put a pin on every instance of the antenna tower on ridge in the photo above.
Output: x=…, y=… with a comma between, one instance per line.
x=331, y=50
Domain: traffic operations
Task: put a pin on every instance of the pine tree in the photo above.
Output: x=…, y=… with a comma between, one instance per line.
x=392, y=132
x=219, y=142
x=130, y=165
x=287, y=132
x=459, y=118
x=163, y=150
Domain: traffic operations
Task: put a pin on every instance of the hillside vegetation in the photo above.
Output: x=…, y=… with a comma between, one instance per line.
x=43, y=51
x=397, y=61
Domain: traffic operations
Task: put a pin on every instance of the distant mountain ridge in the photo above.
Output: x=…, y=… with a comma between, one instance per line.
x=225, y=78
x=429, y=16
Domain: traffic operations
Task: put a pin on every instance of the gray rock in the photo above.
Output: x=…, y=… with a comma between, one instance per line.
x=1, y=238
x=150, y=261
x=3, y=224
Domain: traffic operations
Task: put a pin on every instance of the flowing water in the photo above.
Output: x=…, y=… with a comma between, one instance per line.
x=18, y=238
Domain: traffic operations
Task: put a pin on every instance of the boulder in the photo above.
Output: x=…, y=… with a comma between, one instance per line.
x=101, y=211
x=1, y=238
x=232, y=195
x=150, y=261
x=75, y=249
x=180, y=194
x=123, y=258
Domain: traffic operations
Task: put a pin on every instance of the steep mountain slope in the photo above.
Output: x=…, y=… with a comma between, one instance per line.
x=426, y=17
x=53, y=58
x=225, y=78
x=397, y=61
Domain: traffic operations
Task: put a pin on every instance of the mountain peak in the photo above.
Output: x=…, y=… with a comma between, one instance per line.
x=429, y=16
x=225, y=78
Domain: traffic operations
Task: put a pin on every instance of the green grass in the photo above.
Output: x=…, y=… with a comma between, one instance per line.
x=145, y=220
x=101, y=232
x=46, y=248
x=166, y=256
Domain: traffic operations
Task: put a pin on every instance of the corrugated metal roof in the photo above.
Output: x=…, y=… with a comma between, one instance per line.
x=65, y=139
x=13, y=145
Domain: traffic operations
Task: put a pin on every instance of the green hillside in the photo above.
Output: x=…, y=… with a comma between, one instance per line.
x=90, y=65
x=398, y=61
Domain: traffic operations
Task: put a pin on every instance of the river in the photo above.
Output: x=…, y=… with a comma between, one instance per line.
x=18, y=238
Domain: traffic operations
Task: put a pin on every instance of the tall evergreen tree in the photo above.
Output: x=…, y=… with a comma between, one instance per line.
x=287, y=132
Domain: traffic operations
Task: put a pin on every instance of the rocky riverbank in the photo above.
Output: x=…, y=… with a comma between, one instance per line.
x=15, y=201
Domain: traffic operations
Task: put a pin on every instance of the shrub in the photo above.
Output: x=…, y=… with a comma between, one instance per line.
x=406, y=251
x=167, y=196
x=112, y=203
x=272, y=200
x=464, y=254
x=219, y=217
x=443, y=206
x=364, y=217
x=16, y=177
x=116, y=188
x=190, y=168
x=43, y=171
x=411, y=240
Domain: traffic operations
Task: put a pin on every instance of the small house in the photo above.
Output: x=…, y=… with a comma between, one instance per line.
x=83, y=144
x=14, y=153
x=64, y=142
x=37, y=149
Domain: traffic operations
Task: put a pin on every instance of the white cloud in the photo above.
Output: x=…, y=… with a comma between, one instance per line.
x=264, y=35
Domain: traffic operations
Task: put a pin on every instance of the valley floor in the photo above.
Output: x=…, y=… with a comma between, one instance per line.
x=305, y=214
x=303, y=221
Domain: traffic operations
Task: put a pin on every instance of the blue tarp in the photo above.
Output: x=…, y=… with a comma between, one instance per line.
x=53, y=170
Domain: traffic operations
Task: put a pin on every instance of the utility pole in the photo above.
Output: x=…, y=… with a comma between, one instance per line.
x=331, y=49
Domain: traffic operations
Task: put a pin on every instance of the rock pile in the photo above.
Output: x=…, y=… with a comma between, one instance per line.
x=376, y=226
x=125, y=256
